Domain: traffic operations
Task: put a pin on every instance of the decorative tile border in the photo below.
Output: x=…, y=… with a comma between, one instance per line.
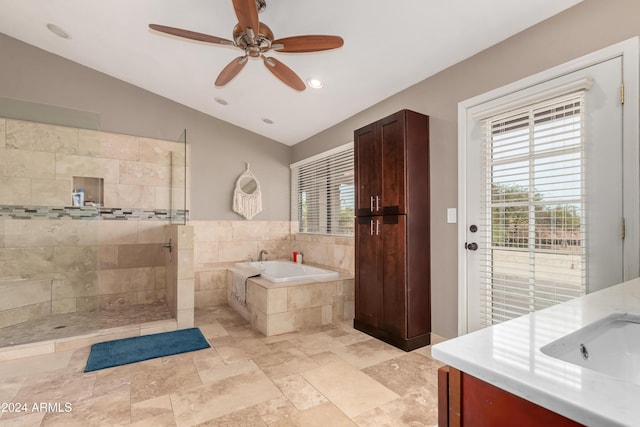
x=91, y=213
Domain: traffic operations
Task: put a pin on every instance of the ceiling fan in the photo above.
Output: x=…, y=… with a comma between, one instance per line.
x=255, y=39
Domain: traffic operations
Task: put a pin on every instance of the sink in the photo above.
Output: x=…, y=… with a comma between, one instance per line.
x=610, y=346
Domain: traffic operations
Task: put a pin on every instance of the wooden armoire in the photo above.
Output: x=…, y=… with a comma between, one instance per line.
x=392, y=268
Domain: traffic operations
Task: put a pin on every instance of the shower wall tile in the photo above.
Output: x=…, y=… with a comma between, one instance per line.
x=150, y=174
x=140, y=255
x=48, y=192
x=29, y=233
x=15, y=191
x=32, y=136
x=75, y=258
x=159, y=151
x=30, y=164
x=63, y=305
x=76, y=284
x=20, y=293
x=2, y=233
x=125, y=280
x=134, y=196
x=68, y=166
x=26, y=261
x=3, y=128
x=151, y=232
x=110, y=145
x=107, y=257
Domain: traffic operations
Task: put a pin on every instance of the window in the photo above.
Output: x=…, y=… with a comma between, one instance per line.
x=534, y=168
x=323, y=193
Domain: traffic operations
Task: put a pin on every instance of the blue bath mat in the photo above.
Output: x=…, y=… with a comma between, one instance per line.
x=136, y=349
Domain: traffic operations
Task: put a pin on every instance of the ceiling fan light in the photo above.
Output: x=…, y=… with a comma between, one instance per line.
x=315, y=83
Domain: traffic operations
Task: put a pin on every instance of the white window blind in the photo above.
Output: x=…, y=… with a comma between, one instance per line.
x=323, y=193
x=533, y=200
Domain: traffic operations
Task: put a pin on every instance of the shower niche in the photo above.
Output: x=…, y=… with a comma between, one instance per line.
x=87, y=191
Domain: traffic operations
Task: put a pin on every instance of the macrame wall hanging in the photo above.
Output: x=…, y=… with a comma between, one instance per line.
x=247, y=198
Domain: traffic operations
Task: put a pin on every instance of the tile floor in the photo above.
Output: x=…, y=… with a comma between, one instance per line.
x=334, y=376
x=65, y=325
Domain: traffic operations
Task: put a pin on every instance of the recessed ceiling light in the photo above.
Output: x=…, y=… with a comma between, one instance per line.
x=221, y=101
x=267, y=121
x=58, y=31
x=315, y=83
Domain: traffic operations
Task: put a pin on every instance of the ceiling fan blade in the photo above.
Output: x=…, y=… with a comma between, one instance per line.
x=192, y=35
x=284, y=73
x=231, y=70
x=307, y=43
x=247, y=13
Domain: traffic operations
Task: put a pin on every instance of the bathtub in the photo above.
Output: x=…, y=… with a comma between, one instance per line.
x=287, y=271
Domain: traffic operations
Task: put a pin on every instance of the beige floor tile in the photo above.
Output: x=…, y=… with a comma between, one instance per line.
x=416, y=409
x=34, y=365
x=319, y=416
x=329, y=376
x=249, y=417
x=367, y=353
x=352, y=391
x=27, y=420
x=172, y=376
x=151, y=408
x=298, y=390
x=276, y=409
x=204, y=403
x=406, y=373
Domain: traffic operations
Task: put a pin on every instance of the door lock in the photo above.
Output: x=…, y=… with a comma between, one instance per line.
x=471, y=246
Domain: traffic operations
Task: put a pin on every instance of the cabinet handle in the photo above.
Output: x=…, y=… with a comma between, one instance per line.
x=371, y=232
x=377, y=227
x=371, y=203
x=377, y=203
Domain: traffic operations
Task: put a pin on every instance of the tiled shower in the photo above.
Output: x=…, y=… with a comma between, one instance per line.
x=65, y=269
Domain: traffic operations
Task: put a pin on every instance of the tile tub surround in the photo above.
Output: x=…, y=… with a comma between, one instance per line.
x=508, y=356
x=278, y=308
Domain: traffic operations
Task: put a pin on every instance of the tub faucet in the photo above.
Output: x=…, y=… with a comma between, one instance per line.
x=262, y=257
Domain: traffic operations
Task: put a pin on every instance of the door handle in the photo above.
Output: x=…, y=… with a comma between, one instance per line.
x=371, y=203
x=377, y=227
x=377, y=203
x=371, y=231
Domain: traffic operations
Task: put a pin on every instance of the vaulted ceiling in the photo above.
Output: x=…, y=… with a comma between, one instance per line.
x=388, y=47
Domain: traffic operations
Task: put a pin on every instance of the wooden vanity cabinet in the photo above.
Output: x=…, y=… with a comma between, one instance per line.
x=392, y=269
x=464, y=400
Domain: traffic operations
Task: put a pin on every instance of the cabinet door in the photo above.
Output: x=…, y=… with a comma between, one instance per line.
x=394, y=275
x=394, y=152
x=368, y=268
x=367, y=157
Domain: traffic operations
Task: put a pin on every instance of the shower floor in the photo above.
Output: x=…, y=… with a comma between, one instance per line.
x=67, y=325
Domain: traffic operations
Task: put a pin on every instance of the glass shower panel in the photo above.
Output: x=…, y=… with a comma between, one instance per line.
x=179, y=174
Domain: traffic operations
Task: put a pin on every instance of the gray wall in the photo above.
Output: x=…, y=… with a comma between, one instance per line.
x=587, y=27
x=71, y=94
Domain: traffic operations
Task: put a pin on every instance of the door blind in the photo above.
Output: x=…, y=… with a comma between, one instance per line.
x=533, y=254
x=324, y=194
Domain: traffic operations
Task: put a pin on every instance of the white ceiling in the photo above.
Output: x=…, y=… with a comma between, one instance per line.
x=388, y=46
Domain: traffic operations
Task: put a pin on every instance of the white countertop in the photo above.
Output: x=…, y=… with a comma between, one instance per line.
x=508, y=356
